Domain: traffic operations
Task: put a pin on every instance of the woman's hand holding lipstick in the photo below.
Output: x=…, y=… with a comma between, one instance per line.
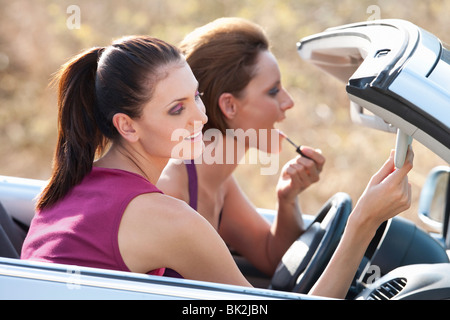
x=300, y=172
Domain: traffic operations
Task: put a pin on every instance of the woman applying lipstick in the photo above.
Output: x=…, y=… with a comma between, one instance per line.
x=240, y=81
x=233, y=55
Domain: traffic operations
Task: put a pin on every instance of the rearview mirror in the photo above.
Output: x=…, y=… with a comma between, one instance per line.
x=434, y=204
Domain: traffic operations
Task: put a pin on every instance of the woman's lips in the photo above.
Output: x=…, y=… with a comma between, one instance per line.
x=281, y=119
x=195, y=137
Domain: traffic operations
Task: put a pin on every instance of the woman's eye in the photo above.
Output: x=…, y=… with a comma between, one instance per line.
x=176, y=110
x=274, y=91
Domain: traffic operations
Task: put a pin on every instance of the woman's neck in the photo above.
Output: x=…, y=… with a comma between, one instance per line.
x=221, y=159
x=129, y=159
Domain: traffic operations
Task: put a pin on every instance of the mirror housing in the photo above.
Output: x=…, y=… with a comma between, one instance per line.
x=394, y=69
x=434, y=203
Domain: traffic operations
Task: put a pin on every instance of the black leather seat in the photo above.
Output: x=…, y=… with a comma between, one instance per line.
x=11, y=236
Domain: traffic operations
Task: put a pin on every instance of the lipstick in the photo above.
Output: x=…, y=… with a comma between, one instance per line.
x=297, y=147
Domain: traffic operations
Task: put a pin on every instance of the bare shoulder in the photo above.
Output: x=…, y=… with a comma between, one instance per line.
x=232, y=188
x=174, y=180
x=160, y=231
x=151, y=228
x=159, y=208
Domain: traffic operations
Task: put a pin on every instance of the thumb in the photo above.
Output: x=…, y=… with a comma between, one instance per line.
x=387, y=168
x=399, y=174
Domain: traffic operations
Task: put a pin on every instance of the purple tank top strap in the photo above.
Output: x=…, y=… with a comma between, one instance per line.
x=193, y=183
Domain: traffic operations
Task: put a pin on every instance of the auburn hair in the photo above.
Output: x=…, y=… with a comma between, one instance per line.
x=222, y=55
x=92, y=87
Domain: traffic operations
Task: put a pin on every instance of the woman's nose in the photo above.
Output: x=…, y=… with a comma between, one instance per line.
x=199, y=113
x=287, y=102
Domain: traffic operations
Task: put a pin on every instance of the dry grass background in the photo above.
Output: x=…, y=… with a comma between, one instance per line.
x=35, y=41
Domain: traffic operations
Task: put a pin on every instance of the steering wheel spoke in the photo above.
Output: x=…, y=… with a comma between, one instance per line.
x=306, y=259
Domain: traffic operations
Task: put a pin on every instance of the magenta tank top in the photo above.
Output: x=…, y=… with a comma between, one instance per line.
x=82, y=228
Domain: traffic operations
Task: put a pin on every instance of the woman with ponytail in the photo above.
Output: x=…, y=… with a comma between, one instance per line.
x=118, y=108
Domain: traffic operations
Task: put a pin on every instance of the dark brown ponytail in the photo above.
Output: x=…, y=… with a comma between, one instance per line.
x=92, y=87
x=78, y=136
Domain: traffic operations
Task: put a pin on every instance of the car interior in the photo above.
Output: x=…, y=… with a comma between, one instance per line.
x=399, y=84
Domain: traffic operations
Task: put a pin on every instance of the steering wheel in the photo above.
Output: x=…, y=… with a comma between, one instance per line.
x=306, y=259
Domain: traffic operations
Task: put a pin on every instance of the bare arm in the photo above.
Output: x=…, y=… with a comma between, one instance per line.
x=297, y=175
x=159, y=231
x=389, y=185
x=246, y=231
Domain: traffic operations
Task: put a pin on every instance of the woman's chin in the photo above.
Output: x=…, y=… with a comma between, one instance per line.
x=189, y=151
x=272, y=144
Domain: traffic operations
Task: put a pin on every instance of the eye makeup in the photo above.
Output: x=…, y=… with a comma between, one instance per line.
x=176, y=110
x=198, y=95
x=179, y=107
x=274, y=91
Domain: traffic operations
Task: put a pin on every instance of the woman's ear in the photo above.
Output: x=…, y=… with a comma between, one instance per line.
x=125, y=126
x=227, y=103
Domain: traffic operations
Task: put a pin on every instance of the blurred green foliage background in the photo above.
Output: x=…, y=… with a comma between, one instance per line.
x=35, y=39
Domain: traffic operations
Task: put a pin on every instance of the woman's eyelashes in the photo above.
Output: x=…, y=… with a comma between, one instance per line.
x=179, y=107
x=274, y=91
x=198, y=95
